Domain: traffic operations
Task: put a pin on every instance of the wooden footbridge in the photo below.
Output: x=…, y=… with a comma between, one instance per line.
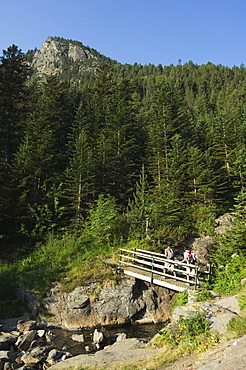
x=156, y=269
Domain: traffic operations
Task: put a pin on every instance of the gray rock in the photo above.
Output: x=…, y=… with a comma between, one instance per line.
x=224, y=223
x=10, y=325
x=202, y=247
x=54, y=356
x=228, y=356
x=50, y=337
x=25, y=340
x=8, y=366
x=78, y=338
x=124, y=301
x=125, y=351
x=98, y=337
x=66, y=356
x=4, y=356
x=49, y=59
x=41, y=333
x=26, y=326
x=33, y=366
x=121, y=336
x=35, y=355
x=219, y=312
x=5, y=343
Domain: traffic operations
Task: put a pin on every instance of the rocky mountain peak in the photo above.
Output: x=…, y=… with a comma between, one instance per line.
x=57, y=53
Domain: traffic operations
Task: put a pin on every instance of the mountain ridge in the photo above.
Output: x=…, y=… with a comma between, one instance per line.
x=58, y=55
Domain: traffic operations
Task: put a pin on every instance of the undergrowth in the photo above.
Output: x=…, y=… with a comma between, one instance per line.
x=69, y=260
x=203, y=295
x=188, y=334
x=180, y=299
x=237, y=325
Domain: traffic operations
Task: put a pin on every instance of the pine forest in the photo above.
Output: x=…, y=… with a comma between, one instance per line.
x=119, y=154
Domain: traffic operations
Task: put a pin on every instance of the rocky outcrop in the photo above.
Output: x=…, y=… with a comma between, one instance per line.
x=203, y=248
x=56, y=54
x=223, y=223
x=124, y=301
x=219, y=311
x=122, y=352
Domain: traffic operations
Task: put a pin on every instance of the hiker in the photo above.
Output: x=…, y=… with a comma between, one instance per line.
x=169, y=254
x=190, y=258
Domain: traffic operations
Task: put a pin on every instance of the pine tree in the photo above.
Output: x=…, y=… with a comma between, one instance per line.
x=138, y=209
x=41, y=160
x=13, y=75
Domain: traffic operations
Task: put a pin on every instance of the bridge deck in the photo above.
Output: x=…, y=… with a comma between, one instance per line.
x=156, y=279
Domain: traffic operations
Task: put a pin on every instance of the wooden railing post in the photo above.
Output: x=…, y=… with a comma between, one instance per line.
x=134, y=256
x=120, y=255
x=196, y=276
x=209, y=272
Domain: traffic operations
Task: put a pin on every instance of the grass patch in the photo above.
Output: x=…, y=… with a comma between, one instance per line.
x=70, y=260
x=236, y=327
x=180, y=299
x=229, y=274
x=203, y=295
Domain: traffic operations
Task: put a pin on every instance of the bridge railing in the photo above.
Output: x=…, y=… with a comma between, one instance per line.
x=153, y=263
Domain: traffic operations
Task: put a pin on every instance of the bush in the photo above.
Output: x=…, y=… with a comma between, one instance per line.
x=180, y=299
x=203, y=296
x=189, y=333
x=228, y=276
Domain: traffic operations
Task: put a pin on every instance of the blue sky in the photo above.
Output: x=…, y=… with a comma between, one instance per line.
x=133, y=31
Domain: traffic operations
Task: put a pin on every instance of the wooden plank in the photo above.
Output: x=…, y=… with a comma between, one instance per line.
x=155, y=281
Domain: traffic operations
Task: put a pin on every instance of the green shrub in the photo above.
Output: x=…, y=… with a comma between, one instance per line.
x=180, y=299
x=189, y=334
x=227, y=277
x=203, y=296
x=242, y=301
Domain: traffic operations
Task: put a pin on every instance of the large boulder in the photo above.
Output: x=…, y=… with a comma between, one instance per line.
x=203, y=248
x=23, y=343
x=223, y=223
x=96, y=305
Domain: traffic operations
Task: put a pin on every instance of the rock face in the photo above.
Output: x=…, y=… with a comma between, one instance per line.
x=219, y=312
x=128, y=300
x=224, y=223
x=56, y=54
x=203, y=247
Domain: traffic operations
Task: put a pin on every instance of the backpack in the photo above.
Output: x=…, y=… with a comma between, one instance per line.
x=190, y=257
x=170, y=254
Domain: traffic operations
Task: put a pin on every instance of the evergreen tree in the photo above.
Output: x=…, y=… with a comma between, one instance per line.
x=13, y=76
x=41, y=160
x=138, y=209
